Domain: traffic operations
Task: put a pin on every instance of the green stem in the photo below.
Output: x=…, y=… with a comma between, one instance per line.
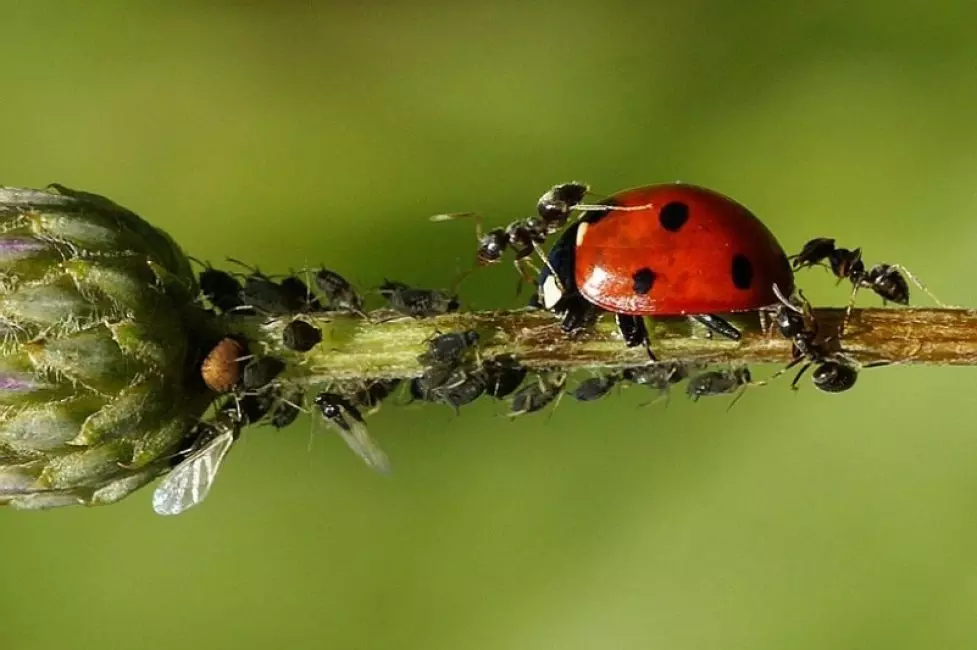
x=386, y=345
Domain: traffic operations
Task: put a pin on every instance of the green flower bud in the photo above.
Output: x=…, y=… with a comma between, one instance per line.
x=97, y=349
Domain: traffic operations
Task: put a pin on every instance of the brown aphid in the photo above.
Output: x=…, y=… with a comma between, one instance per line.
x=222, y=366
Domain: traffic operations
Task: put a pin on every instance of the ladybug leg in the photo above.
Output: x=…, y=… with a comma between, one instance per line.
x=575, y=312
x=718, y=325
x=635, y=332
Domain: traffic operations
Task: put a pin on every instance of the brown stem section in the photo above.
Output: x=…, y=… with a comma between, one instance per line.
x=387, y=345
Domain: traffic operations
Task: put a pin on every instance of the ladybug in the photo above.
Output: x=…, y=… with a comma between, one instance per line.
x=663, y=250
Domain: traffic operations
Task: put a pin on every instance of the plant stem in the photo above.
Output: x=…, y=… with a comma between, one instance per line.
x=386, y=345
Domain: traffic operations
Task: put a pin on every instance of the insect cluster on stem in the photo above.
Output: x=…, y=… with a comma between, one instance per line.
x=661, y=251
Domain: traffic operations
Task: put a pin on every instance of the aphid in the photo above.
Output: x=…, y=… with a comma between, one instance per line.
x=417, y=303
x=219, y=287
x=503, y=375
x=338, y=291
x=261, y=371
x=190, y=481
x=287, y=407
x=594, y=388
x=448, y=348
x=298, y=295
x=284, y=414
x=376, y=391
x=664, y=250
x=301, y=336
x=834, y=377
x=718, y=382
x=536, y=395
x=221, y=368
x=266, y=295
x=462, y=387
x=448, y=384
x=348, y=422
x=657, y=376
x=425, y=387
x=250, y=408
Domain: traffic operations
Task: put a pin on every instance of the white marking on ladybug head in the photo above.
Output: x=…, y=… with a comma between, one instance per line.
x=581, y=231
x=550, y=292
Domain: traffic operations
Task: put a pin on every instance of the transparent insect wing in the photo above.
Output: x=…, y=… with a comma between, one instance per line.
x=355, y=434
x=190, y=482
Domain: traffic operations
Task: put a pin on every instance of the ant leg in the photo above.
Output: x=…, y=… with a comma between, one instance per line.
x=848, y=310
x=920, y=285
x=524, y=276
x=793, y=363
x=800, y=373
x=541, y=254
x=740, y=393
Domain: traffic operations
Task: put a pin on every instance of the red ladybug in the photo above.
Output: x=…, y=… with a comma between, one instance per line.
x=689, y=252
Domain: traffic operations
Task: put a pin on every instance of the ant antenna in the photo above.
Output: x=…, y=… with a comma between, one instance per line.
x=784, y=301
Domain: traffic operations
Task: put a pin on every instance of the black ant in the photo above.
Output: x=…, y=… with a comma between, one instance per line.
x=886, y=280
x=525, y=236
x=834, y=372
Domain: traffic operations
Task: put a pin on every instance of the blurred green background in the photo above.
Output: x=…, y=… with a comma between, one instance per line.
x=294, y=133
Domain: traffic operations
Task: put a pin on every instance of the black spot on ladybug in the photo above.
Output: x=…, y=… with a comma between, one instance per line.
x=673, y=216
x=643, y=280
x=742, y=272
